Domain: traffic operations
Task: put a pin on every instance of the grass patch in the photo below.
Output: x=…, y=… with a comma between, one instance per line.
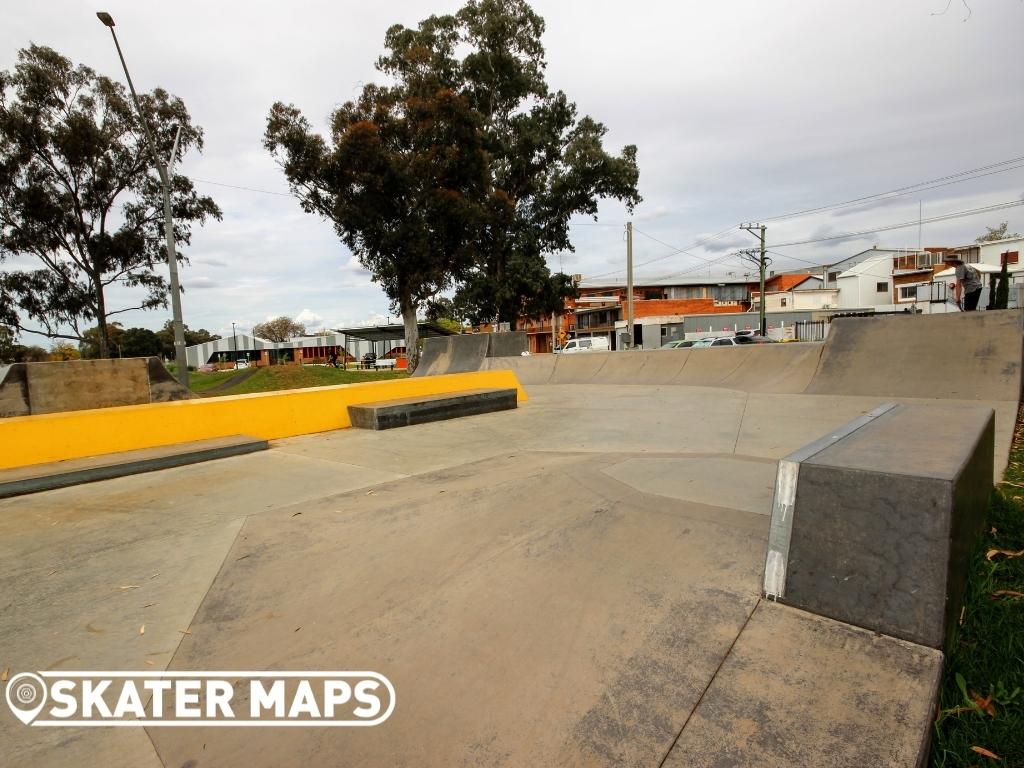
x=281, y=377
x=981, y=705
x=201, y=382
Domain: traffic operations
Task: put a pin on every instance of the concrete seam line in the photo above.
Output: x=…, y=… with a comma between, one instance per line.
x=739, y=428
x=707, y=687
x=817, y=366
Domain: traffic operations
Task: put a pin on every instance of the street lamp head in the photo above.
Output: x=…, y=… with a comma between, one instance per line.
x=105, y=17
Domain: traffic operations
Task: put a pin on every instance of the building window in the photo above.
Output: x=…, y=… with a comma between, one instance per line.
x=833, y=276
x=686, y=292
x=882, y=287
x=783, y=301
x=728, y=292
x=653, y=295
x=1011, y=257
x=908, y=293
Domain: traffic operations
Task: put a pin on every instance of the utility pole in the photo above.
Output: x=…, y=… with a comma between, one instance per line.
x=165, y=172
x=761, y=261
x=629, y=282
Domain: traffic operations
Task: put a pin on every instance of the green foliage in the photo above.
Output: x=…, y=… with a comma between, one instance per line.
x=31, y=354
x=8, y=339
x=64, y=350
x=997, y=233
x=982, y=698
x=442, y=311
x=140, y=342
x=89, y=345
x=1002, y=297
x=400, y=177
x=278, y=329
x=78, y=194
x=545, y=163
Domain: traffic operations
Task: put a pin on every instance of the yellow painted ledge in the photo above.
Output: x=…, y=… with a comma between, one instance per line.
x=27, y=440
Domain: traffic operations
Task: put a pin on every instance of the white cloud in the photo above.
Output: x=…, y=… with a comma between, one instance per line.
x=309, y=318
x=785, y=112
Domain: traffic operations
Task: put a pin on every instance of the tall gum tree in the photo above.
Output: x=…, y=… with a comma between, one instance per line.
x=400, y=175
x=545, y=162
x=80, y=202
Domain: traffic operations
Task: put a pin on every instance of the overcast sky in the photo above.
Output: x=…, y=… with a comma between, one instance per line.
x=741, y=109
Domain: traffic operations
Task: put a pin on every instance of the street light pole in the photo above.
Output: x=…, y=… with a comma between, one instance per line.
x=165, y=183
x=234, y=345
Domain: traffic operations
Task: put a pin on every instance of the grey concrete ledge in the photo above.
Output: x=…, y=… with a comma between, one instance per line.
x=45, y=477
x=405, y=412
x=874, y=525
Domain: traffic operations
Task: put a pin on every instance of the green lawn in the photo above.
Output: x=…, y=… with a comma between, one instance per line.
x=280, y=377
x=201, y=382
x=982, y=699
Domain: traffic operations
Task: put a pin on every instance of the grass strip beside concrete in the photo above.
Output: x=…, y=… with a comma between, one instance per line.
x=981, y=706
x=281, y=377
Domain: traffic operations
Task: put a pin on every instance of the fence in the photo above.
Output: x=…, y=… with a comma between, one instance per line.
x=810, y=330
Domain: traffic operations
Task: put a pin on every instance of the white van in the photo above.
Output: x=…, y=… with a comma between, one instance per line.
x=595, y=344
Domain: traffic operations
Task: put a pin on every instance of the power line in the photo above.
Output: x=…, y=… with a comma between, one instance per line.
x=1002, y=166
x=246, y=188
x=676, y=252
x=904, y=225
x=943, y=181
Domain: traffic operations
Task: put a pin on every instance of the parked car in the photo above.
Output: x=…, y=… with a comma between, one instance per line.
x=593, y=344
x=241, y=363
x=721, y=341
x=678, y=344
x=753, y=340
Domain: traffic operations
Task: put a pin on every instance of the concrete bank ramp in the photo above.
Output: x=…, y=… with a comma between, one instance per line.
x=959, y=356
x=770, y=368
x=466, y=352
x=76, y=385
x=962, y=356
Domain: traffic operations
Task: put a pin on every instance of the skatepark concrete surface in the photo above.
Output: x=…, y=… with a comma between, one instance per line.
x=575, y=582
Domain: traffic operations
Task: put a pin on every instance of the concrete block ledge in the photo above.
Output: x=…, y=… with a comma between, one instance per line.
x=422, y=410
x=874, y=524
x=49, y=437
x=60, y=474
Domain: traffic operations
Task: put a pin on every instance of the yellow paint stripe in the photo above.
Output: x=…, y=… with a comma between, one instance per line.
x=27, y=440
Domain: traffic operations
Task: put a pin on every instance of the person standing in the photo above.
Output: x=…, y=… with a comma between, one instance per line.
x=967, y=288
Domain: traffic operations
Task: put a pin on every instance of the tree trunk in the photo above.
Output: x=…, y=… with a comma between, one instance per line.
x=510, y=316
x=412, y=332
x=101, y=321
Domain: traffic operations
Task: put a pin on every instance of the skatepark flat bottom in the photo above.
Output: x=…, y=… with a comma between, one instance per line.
x=575, y=582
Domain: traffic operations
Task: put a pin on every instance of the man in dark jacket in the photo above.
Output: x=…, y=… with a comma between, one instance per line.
x=967, y=289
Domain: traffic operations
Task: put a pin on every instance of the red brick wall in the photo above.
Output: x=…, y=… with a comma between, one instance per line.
x=656, y=307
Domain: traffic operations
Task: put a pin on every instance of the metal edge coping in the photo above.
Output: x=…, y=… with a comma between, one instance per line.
x=780, y=530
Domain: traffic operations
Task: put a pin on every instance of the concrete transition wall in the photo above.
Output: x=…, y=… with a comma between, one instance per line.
x=467, y=352
x=962, y=356
x=874, y=525
x=75, y=385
